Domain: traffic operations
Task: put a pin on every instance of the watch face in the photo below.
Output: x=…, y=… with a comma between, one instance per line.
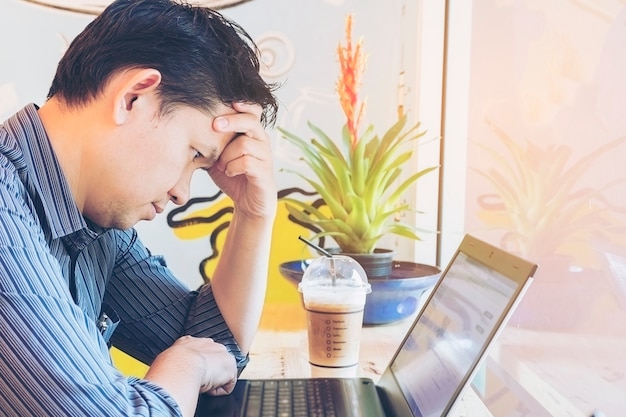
x=97, y=6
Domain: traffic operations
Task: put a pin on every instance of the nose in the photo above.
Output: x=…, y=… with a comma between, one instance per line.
x=179, y=194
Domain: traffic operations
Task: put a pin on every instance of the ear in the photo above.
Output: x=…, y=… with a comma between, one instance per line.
x=133, y=85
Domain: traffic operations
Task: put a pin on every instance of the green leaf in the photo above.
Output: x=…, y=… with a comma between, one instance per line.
x=358, y=184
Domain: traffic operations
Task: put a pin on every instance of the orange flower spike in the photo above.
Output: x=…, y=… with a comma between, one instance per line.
x=359, y=66
x=352, y=65
x=345, y=88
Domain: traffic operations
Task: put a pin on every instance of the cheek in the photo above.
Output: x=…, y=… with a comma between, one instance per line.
x=165, y=173
x=160, y=162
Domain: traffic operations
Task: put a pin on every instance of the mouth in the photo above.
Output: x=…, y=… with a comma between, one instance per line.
x=157, y=208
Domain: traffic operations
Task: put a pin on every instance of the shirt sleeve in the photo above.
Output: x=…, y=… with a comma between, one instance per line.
x=52, y=358
x=155, y=308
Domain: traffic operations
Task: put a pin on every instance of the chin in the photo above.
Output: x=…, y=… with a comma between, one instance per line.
x=114, y=223
x=127, y=222
x=119, y=218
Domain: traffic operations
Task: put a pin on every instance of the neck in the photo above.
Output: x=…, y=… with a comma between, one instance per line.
x=69, y=130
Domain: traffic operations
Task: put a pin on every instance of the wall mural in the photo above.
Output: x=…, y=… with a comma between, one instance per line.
x=191, y=222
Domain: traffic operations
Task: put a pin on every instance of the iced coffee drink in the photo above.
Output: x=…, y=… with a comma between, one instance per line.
x=334, y=291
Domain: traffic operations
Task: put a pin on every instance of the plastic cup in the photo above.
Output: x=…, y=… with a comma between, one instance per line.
x=333, y=290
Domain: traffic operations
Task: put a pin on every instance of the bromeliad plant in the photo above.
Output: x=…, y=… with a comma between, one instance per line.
x=356, y=178
x=539, y=201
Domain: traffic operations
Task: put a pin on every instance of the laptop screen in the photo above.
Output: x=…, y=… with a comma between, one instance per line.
x=447, y=340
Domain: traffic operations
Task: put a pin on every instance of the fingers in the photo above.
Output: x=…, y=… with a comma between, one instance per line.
x=221, y=372
x=250, y=144
x=194, y=364
x=244, y=155
x=219, y=390
x=220, y=369
x=246, y=121
x=245, y=167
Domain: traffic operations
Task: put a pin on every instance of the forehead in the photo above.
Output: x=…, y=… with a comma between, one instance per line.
x=200, y=131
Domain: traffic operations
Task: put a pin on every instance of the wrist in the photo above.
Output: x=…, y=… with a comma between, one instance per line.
x=259, y=219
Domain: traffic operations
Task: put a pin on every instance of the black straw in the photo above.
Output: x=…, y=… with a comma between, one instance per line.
x=317, y=248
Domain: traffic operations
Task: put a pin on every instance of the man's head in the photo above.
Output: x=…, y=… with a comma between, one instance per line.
x=204, y=59
x=132, y=107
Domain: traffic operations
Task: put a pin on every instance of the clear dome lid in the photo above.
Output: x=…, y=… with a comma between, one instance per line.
x=338, y=272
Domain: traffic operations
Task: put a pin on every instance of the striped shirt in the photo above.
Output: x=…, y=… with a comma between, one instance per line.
x=57, y=273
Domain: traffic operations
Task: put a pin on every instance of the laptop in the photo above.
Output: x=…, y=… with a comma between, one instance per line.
x=437, y=359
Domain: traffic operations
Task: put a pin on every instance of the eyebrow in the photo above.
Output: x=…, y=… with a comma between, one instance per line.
x=213, y=156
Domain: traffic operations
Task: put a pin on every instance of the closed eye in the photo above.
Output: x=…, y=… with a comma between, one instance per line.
x=204, y=160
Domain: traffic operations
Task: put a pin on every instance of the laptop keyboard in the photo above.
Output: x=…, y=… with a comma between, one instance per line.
x=291, y=398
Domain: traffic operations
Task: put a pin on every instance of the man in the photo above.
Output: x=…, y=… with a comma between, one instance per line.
x=148, y=93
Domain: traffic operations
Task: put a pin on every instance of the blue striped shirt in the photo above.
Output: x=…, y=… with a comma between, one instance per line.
x=53, y=359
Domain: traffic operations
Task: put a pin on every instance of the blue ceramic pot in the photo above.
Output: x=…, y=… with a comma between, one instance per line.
x=392, y=299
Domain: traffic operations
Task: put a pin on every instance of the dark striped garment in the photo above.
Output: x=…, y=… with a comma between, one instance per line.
x=53, y=359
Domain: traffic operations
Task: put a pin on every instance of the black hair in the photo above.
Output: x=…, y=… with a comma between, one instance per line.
x=204, y=58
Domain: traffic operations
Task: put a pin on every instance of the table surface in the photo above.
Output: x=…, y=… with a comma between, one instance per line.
x=284, y=354
x=528, y=373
